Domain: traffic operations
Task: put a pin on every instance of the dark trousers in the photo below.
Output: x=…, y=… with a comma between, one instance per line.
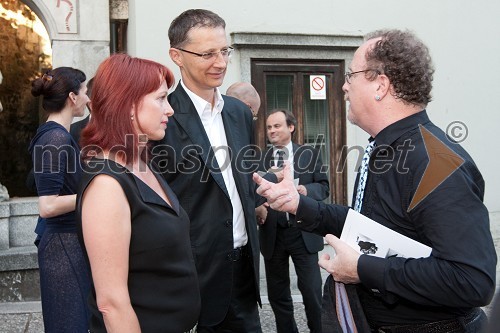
x=289, y=243
x=474, y=322
x=243, y=314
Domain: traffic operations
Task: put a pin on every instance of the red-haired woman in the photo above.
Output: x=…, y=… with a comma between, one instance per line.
x=64, y=274
x=135, y=233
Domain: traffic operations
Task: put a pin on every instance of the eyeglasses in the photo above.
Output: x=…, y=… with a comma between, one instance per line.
x=225, y=53
x=348, y=75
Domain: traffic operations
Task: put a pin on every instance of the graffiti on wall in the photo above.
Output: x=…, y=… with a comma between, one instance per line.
x=65, y=13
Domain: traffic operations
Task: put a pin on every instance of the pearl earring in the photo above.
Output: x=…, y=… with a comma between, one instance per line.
x=132, y=117
x=377, y=98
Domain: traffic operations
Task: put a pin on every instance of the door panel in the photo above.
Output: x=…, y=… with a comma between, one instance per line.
x=321, y=123
x=279, y=91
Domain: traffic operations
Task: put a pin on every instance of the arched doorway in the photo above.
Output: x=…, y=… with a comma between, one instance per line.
x=24, y=53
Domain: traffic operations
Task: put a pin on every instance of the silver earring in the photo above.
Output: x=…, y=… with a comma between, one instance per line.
x=377, y=98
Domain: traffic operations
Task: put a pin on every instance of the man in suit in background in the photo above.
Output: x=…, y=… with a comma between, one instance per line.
x=246, y=93
x=76, y=128
x=280, y=239
x=202, y=156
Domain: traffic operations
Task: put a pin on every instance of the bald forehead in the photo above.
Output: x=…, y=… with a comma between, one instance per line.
x=242, y=89
x=359, y=59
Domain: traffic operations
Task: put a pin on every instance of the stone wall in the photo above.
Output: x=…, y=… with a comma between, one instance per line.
x=19, y=279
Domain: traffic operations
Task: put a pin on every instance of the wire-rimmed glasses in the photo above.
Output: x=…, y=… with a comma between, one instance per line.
x=225, y=53
x=348, y=75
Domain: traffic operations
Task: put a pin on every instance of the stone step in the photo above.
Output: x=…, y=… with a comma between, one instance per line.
x=20, y=307
x=19, y=278
x=18, y=258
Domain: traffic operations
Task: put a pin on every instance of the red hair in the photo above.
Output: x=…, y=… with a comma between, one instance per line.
x=120, y=83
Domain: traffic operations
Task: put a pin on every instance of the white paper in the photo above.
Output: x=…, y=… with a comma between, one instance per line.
x=369, y=237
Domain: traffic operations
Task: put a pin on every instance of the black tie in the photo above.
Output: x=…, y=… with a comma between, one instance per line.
x=280, y=154
x=282, y=217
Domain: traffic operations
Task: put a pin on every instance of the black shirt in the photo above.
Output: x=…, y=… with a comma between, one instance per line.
x=162, y=279
x=451, y=218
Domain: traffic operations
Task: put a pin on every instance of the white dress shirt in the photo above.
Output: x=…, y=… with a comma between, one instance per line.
x=211, y=118
x=288, y=156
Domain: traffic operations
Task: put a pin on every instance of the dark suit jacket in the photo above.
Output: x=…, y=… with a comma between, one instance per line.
x=307, y=167
x=191, y=170
x=76, y=128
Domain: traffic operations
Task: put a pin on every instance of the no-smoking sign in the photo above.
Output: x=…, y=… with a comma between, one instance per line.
x=318, y=86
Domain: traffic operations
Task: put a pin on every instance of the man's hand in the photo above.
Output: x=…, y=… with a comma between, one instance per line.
x=261, y=214
x=282, y=196
x=344, y=265
x=302, y=190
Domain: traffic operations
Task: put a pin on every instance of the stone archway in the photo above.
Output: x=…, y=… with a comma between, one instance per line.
x=24, y=53
x=78, y=32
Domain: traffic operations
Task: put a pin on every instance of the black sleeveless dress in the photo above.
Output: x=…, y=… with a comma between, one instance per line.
x=162, y=280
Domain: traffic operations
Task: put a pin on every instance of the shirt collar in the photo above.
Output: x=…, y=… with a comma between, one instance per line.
x=201, y=105
x=391, y=133
x=288, y=149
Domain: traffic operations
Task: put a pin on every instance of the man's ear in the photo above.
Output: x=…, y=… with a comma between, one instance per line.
x=175, y=55
x=384, y=85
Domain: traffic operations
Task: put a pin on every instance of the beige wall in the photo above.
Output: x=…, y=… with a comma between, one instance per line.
x=87, y=42
x=462, y=36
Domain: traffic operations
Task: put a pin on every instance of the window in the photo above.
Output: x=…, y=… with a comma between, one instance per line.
x=118, y=38
x=283, y=83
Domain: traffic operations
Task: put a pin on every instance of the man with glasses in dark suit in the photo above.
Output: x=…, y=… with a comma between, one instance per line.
x=203, y=159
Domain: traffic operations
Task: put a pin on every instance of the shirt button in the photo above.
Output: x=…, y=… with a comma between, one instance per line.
x=229, y=223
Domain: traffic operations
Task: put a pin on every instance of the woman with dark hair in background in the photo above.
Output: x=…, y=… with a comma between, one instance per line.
x=64, y=275
x=136, y=235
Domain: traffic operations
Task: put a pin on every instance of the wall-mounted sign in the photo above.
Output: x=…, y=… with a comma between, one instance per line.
x=318, y=86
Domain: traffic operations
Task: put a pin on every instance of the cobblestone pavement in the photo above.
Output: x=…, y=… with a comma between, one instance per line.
x=33, y=322
x=268, y=322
